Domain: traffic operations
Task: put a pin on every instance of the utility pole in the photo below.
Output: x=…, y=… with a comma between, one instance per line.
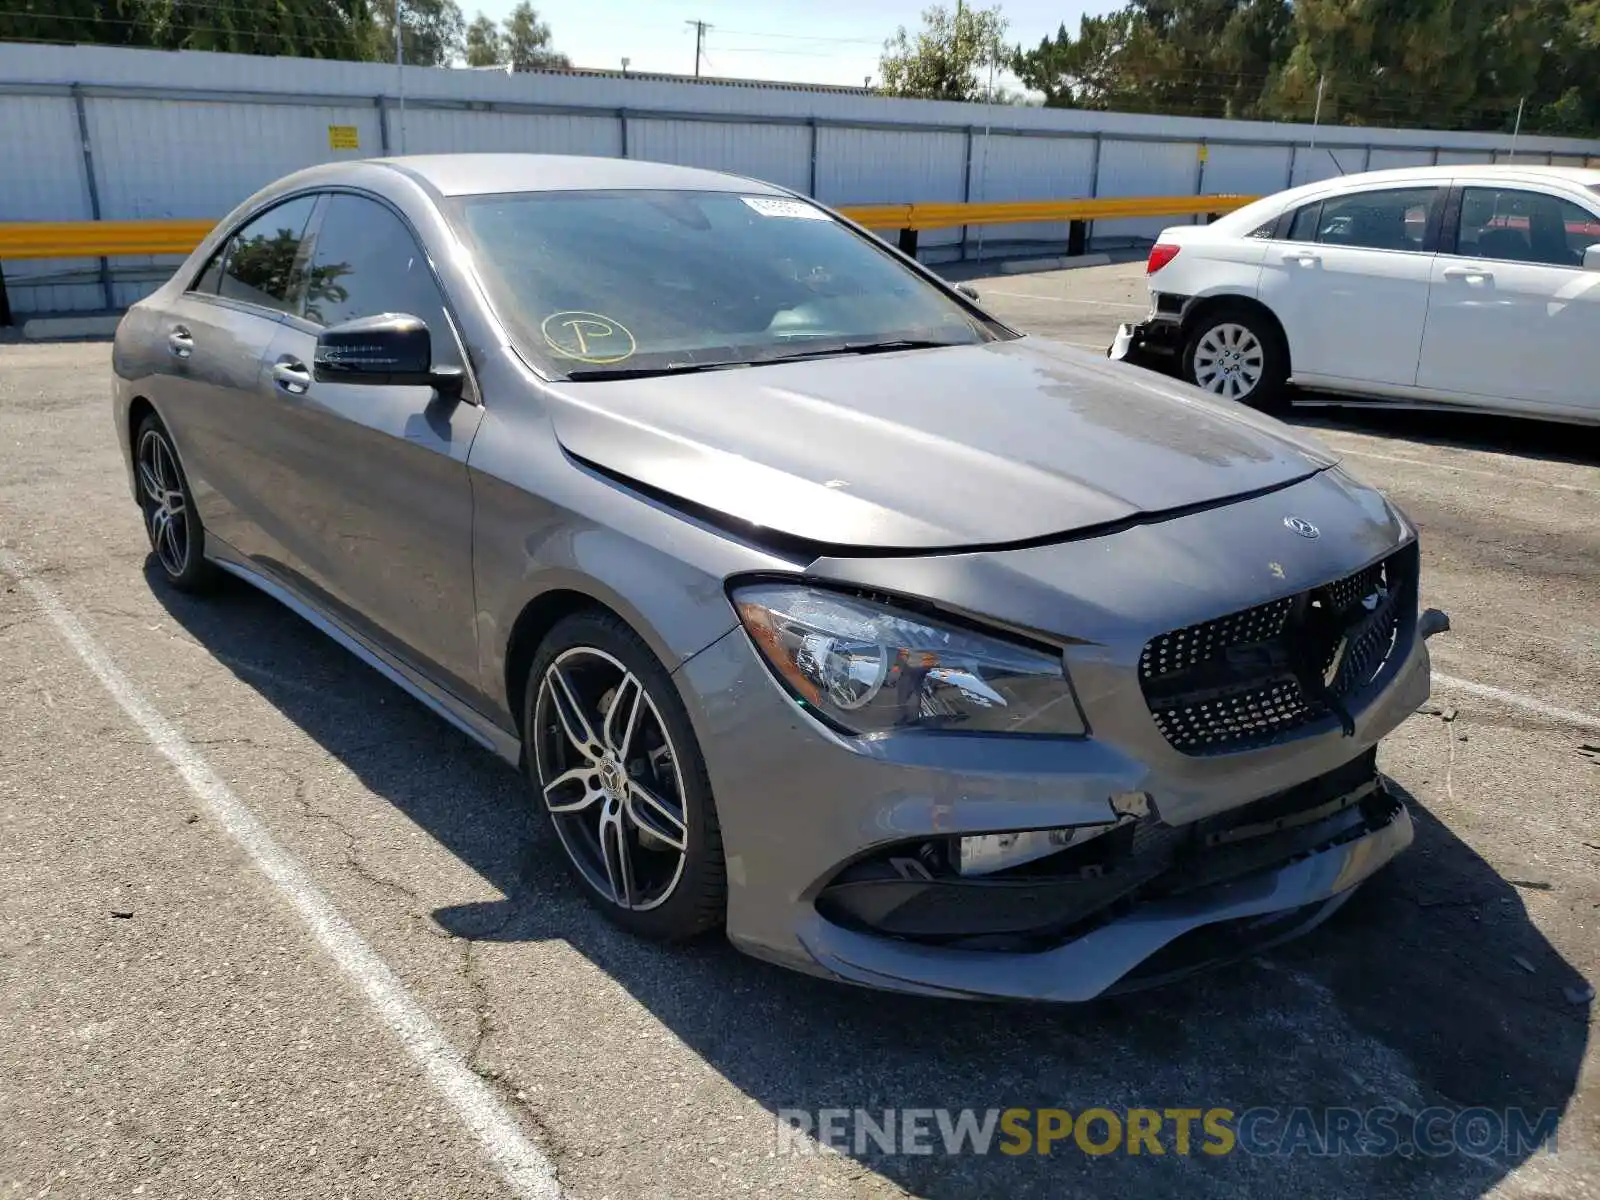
x=400, y=72
x=700, y=28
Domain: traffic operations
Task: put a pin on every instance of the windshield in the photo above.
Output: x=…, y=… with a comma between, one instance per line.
x=606, y=284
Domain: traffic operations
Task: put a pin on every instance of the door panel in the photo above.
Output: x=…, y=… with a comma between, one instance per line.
x=1351, y=284
x=1513, y=316
x=367, y=498
x=208, y=404
x=214, y=339
x=373, y=508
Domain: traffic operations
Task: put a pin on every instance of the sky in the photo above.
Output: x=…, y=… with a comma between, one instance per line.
x=810, y=41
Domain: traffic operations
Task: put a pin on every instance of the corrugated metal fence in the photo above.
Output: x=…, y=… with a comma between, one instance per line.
x=102, y=133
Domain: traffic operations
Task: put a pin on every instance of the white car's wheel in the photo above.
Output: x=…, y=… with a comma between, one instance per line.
x=1236, y=354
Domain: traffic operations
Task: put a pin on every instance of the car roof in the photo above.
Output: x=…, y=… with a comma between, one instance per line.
x=1582, y=176
x=1277, y=202
x=488, y=174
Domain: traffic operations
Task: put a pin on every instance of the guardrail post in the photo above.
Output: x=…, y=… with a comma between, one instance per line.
x=5, y=301
x=622, y=130
x=1077, y=238
x=908, y=242
x=94, y=190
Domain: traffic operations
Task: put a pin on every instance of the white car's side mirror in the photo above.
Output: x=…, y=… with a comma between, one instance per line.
x=1591, y=258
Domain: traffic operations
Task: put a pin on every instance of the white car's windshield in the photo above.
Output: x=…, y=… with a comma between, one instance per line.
x=606, y=284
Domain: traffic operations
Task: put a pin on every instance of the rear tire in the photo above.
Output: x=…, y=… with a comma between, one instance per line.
x=1234, y=352
x=171, y=521
x=613, y=763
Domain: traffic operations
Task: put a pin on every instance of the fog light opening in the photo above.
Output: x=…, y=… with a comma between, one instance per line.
x=987, y=853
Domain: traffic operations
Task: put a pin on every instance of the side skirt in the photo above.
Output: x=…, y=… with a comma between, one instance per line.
x=468, y=720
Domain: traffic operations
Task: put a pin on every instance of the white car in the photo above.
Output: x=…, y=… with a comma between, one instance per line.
x=1468, y=287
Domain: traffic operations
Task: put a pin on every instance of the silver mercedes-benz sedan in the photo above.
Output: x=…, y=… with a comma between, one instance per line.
x=816, y=604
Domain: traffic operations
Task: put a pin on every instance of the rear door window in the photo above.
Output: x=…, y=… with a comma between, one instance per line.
x=1516, y=225
x=262, y=263
x=1390, y=219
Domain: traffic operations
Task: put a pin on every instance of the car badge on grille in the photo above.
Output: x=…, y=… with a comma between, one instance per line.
x=1303, y=527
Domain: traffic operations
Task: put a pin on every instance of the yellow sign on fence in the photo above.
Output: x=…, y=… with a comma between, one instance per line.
x=344, y=137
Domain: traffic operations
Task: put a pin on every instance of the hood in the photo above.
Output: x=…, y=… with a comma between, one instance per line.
x=929, y=450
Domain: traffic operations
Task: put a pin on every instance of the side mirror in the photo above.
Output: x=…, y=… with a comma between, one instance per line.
x=1591, y=258
x=971, y=293
x=392, y=349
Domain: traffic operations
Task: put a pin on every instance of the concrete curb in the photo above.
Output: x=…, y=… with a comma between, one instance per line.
x=44, y=328
x=1020, y=266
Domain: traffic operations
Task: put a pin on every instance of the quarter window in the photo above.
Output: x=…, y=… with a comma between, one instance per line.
x=1393, y=219
x=262, y=258
x=365, y=262
x=1523, y=226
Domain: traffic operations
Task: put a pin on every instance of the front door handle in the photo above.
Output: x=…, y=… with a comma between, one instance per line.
x=1304, y=257
x=180, y=342
x=291, y=376
x=1470, y=274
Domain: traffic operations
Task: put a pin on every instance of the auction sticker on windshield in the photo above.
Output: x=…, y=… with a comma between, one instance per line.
x=772, y=206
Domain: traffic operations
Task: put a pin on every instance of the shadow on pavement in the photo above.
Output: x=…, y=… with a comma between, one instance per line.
x=1523, y=436
x=1409, y=996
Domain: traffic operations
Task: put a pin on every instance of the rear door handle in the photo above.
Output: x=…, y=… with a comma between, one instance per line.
x=1470, y=274
x=291, y=376
x=1304, y=257
x=180, y=343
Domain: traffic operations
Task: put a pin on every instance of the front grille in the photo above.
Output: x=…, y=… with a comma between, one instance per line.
x=1253, y=677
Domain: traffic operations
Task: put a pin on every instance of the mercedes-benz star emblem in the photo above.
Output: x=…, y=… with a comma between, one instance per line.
x=1303, y=527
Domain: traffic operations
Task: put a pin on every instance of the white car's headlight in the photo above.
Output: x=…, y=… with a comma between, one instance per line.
x=870, y=668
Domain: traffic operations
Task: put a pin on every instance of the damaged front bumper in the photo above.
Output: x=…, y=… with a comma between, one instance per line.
x=1158, y=337
x=1176, y=900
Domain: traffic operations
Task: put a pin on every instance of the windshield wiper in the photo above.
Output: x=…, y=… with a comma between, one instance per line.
x=600, y=374
x=865, y=348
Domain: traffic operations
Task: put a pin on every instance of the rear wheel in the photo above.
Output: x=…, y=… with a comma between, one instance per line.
x=615, y=766
x=177, y=538
x=1236, y=353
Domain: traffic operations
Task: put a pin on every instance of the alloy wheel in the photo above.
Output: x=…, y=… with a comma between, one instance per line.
x=610, y=778
x=165, y=505
x=1229, y=361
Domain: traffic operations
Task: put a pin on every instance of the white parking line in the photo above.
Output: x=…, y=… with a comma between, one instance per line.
x=1422, y=462
x=1066, y=300
x=523, y=1166
x=1567, y=716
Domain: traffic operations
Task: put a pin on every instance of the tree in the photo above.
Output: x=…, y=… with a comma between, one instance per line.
x=303, y=28
x=943, y=59
x=1197, y=57
x=484, y=48
x=433, y=32
x=527, y=41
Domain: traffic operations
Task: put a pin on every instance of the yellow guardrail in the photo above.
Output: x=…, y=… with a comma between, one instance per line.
x=99, y=239
x=108, y=239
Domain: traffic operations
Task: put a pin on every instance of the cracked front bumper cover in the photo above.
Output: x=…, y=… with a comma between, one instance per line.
x=1237, y=916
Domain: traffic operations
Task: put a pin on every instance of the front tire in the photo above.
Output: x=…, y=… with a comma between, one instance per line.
x=1236, y=353
x=177, y=537
x=613, y=763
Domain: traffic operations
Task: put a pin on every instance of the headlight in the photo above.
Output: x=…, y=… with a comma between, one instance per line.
x=871, y=668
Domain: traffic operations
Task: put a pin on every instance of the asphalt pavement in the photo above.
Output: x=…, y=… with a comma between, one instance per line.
x=179, y=1018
